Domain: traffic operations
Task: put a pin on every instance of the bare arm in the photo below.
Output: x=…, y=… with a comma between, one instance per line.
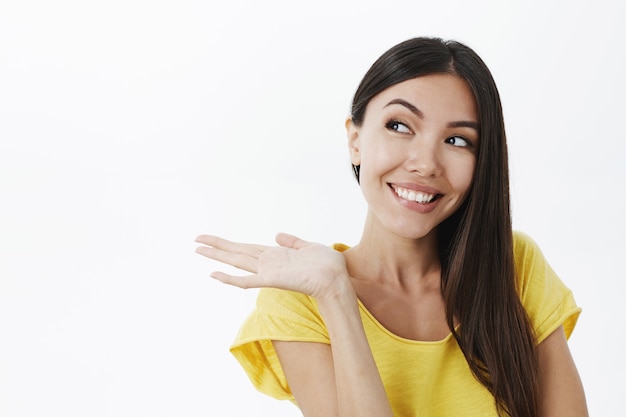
x=309, y=369
x=560, y=388
x=341, y=380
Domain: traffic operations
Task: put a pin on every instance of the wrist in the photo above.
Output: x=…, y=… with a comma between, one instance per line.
x=338, y=297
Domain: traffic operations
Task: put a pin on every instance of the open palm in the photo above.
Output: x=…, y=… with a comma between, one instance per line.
x=296, y=265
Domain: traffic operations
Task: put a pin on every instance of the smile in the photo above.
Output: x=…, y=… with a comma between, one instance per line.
x=417, y=196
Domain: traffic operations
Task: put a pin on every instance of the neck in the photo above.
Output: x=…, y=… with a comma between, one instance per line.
x=389, y=258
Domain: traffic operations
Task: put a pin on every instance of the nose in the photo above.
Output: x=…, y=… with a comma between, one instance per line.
x=424, y=159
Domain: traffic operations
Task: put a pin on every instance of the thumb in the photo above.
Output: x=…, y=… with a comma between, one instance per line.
x=291, y=241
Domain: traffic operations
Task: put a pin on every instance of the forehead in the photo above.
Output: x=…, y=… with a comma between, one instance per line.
x=446, y=95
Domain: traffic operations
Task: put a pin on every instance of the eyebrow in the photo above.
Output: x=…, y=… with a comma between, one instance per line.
x=461, y=123
x=408, y=105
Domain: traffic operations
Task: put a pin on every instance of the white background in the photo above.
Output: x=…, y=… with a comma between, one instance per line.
x=128, y=127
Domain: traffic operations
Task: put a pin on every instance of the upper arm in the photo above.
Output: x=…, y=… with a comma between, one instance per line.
x=560, y=388
x=310, y=373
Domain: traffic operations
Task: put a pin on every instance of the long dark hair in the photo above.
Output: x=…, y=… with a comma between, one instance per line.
x=476, y=243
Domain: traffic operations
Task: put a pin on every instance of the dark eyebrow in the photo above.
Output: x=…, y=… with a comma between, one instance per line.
x=408, y=105
x=463, y=123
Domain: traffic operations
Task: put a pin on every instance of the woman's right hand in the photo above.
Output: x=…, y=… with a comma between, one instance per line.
x=296, y=265
x=343, y=374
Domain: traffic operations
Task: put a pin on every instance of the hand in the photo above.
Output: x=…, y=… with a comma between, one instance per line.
x=295, y=264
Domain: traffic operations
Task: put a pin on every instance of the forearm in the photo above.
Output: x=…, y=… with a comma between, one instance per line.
x=360, y=391
x=340, y=380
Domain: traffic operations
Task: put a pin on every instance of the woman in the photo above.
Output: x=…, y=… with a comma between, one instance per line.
x=440, y=309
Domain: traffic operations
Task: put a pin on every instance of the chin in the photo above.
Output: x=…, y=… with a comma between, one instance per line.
x=415, y=233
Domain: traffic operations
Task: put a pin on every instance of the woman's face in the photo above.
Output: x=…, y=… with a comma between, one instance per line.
x=417, y=150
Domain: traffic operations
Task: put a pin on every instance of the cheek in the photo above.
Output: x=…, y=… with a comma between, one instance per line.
x=463, y=175
x=377, y=162
x=380, y=153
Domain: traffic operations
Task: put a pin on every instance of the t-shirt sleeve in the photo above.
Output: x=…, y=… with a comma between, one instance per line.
x=279, y=315
x=548, y=302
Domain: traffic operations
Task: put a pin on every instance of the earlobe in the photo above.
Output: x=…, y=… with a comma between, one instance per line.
x=353, y=141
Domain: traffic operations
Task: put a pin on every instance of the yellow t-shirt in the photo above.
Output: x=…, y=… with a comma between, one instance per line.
x=420, y=378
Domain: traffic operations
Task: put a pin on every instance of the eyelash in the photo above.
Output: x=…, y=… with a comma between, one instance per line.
x=468, y=144
x=394, y=125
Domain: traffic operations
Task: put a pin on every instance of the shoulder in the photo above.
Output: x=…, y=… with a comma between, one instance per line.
x=286, y=304
x=279, y=315
x=340, y=247
x=524, y=245
x=549, y=303
x=530, y=263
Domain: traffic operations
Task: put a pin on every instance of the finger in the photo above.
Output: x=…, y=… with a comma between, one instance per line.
x=291, y=241
x=229, y=246
x=245, y=282
x=245, y=262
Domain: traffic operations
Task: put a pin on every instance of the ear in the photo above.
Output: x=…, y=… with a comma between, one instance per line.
x=353, y=141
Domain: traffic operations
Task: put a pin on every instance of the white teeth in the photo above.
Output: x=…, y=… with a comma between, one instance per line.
x=416, y=196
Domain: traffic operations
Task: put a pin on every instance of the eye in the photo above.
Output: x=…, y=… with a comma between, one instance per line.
x=459, y=141
x=397, y=126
